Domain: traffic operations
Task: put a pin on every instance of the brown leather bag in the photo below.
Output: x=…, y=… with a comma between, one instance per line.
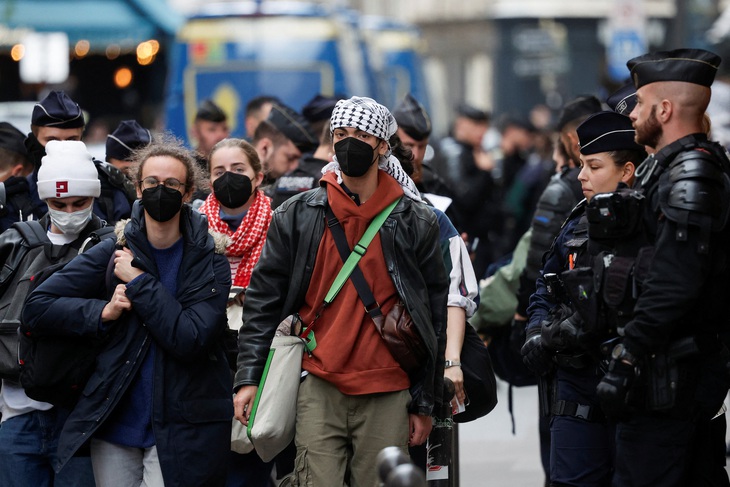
x=401, y=337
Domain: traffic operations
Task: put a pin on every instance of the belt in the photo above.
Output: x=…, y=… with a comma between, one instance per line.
x=585, y=412
x=577, y=361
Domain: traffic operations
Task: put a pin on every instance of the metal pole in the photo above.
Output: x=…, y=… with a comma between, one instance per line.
x=439, y=445
x=454, y=466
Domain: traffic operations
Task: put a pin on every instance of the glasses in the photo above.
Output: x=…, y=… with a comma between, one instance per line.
x=152, y=182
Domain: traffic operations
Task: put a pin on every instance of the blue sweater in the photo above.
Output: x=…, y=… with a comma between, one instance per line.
x=130, y=424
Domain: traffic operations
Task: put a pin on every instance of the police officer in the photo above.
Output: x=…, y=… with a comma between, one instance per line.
x=414, y=132
x=58, y=117
x=666, y=434
x=15, y=201
x=280, y=141
x=308, y=172
x=55, y=117
x=117, y=190
x=562, y=333
x=561, y=194
x=210, y=126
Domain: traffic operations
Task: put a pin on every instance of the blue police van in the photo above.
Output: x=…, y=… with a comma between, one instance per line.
x=233, y=52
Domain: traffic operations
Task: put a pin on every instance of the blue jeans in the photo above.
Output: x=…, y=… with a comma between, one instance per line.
x=28, y=451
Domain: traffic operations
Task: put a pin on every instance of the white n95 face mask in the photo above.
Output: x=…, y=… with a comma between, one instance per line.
x=71, y=223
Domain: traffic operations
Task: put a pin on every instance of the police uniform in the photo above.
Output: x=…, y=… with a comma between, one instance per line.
x=16, y=203
x=305, y=177
x=55, y=110
x=295, y=128
x=569, y=334
x=117, y=190
x=60, y=111
x=666, y=435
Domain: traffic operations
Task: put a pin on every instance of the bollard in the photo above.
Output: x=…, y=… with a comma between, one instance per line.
x=388, y=459
x=406, y=475
x=440, y=441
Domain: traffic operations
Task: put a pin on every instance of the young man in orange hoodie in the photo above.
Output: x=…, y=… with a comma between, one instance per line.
x=356, y=398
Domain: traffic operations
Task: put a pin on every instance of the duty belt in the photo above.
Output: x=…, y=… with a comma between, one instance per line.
x=585, y=412
x=573, y=361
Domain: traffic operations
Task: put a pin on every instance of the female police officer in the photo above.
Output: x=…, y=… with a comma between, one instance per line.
x=582, y=438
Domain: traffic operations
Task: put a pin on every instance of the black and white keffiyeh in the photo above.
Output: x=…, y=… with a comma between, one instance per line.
x=365, y=114
x=370, y=116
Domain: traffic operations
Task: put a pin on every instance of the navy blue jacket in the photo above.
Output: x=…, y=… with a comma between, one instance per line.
x=556, y=261
x=192, y=403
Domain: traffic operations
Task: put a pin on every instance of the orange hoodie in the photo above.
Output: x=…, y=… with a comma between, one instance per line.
x=350, y=354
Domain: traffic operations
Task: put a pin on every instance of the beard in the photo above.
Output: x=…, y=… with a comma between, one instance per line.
x=649, y=132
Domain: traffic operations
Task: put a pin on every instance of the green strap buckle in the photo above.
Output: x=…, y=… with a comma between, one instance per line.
x=310, y=342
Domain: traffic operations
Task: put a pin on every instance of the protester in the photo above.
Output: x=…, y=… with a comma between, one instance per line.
x=157, y=410
x=30, y=429
x=239, y=209
x=351, y=369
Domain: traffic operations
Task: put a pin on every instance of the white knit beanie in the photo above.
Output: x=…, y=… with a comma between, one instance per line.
x=66, y=170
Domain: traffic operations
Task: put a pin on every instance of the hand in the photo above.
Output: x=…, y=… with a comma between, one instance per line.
x=563, y=334
x=534, y=355
x=614, y=387
x=419, y=427
x=116, y=305
x=123, y=268
x=457, y=377
x=243, y=403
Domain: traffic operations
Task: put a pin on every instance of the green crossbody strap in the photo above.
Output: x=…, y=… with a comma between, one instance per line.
x=347, y=268
x=358, y=252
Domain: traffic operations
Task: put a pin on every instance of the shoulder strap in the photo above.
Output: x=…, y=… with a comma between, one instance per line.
x=351, y=269
x=95, y=237
x=33, y=232
x=350, y=266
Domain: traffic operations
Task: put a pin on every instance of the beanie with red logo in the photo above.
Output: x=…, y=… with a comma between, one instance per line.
x=66, y=170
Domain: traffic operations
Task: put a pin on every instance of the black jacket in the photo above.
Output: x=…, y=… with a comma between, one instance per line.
x=410, y=240
x=192, y=405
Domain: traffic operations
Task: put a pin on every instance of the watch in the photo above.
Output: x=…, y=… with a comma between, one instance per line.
x=621, y=353
x=452, y=363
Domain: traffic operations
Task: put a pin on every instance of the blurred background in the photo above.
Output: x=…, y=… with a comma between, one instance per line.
x=155, y=60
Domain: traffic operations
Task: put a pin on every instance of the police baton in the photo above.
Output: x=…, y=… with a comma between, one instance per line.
x=440, y=440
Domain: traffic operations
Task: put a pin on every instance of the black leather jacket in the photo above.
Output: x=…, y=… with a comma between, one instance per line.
x=410, y=240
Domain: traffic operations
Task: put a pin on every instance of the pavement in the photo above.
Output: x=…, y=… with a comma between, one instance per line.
x=490, y=455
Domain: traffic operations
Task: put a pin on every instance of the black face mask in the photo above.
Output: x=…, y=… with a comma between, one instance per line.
x=355, y=156
x=162, y=203
x=232, y=190
x=35, y=150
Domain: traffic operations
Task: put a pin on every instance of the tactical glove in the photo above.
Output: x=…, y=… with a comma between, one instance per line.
x=534, y=355
x=613, y=389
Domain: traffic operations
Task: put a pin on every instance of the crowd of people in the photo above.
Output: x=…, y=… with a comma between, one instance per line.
x=594, y=251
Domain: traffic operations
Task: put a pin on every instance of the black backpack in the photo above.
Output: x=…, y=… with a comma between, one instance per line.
x=20, y=353
x=55, y=368
x=32, y=255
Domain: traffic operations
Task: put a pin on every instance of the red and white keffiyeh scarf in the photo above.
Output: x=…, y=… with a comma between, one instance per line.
x=248, y=239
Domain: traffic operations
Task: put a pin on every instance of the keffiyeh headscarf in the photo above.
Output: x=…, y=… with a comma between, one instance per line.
x=370, y=116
